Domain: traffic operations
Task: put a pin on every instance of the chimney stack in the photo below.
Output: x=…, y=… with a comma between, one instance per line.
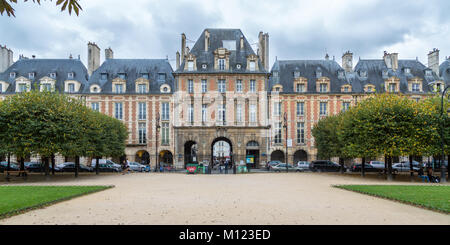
x=347, y=61
x=109, y=54
x=391, y=60
x=433, y=60
x=178, y=60
x=93, y=57
x=263, y=49
x=183, y=46
x=6, y=58
x=206, y=40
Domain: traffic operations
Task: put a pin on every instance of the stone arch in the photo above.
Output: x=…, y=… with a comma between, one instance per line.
x=300, y=155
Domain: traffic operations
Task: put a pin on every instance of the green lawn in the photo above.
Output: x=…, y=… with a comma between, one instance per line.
x=16, y=199
x=432, y=197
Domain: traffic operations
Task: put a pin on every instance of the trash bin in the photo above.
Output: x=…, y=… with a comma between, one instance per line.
x=191, y=168
x=205, y=169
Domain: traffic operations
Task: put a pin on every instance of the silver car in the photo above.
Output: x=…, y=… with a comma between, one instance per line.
x=403, y=167
x=377, y=164
x=304, y=165
x=282, y=167
x=134, y=166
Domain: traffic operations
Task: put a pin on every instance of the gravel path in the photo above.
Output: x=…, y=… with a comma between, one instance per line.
x=265, y=198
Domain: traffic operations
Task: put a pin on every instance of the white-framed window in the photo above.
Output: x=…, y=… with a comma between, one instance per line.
x=416, y=87
x=277, y=138
x=191, y=113
x=119, y=88
x=165, y=111
x=252, y=113
x=222, y=86
x=190, y=86
x=222, y=113
x=71, y=87
x=95, y=106
x=239, y=113
x=300, y=133
x=165, y=133
x=142, y=114
x=221, y=64
x=345, y=106
x=392, y=87
x=53, y=75
x=204, y=112
x=31, y=75
x=204, y=86
x=142, y=128
x=300, y=87
x=22, y=87
x=277, y=108
x=46, y=87
x=118, y=110
x=252, y=65
x=300, y=108
x=323, y=88
x=252, y=86
x=346, y=89
x=239, y=86
x=296, y=74
x=190, y=65
x=142, y=88
x=323, y=108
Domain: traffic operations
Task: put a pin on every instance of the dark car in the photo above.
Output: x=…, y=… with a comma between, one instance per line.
x=70, y=167
x=367, y=168
x=107, y=168
x=39, y=167
x=325, y=166
x=13, y=166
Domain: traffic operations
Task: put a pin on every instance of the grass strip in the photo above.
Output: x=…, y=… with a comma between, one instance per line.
x=19, y=199
x=435, y=197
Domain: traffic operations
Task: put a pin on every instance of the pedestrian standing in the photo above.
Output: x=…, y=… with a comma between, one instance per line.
x=126, y=166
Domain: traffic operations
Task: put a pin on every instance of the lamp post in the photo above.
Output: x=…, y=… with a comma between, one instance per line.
x=157, y=154
x=443, y=168
x=285, y=129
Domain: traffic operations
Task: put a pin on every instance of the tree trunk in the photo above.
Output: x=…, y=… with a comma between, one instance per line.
x=363, y=165
x=22, y=164
x=53, y=164
x=9, y=162
x=389, y=176
x=411, y=169
x=77, y=165
x=385, y=164
x=341, y=162
x=47, y=171
x=97, y=160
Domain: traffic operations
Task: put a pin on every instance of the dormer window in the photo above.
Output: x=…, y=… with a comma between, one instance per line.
x=161, y=76
x=384, y=73
x=46, y=87
x=104, y=76
x=142, y=88
x=415, y=87
x=275, y=74
x=392, y=87
x=363, y=73
x=252, y=65
x=221, y=64
x=300, y=87
x=318, y=74
x=122, y=76
x=145, y=75
x=119, y=88
x=407, y=71
x=70, y=75
x=428, y=73
x=53, y=75
x=340, y=74
x=190, y=65
x=296, y=74
x=323, y=88
x=71, y=87
x=12, y=75
x=22, y=87
x=31, y=75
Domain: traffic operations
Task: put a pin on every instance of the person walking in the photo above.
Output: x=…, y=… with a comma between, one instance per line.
x=226, y=166
x=126, y=166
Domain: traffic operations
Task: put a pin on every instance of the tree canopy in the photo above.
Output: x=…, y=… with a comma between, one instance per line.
x=65, y=4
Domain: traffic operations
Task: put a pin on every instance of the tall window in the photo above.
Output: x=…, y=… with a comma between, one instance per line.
x=300, y=133
x=191, y=113
x=95, y=106
x=142, y=111
x=142, y=88
x=119, y=88
x=277, y=133
x=323, y=88
x=190, y=86
x=239, y=113
x=253, y=113
x=118, y=110
x=323, y=108
x=300, y=87
x=204, y=86
x=277, y=108
x=252, y=66
x=222, y=112
x=22, y=87
x=204, y=111
x=391, y=87
x=239, y=86
x=142, y=133
x=165, y=111
x=345, y=106
x=165, y=133
x=415, y=87
x=300, y=108
x=71, y=87
x=222, y=87
x=252, y=86
x=221, y=64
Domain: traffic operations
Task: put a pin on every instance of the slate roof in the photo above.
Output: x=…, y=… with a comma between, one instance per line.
x=133, y=68
x=42, y=68
x=237, y=56
x=444, y=71
x=308, y=69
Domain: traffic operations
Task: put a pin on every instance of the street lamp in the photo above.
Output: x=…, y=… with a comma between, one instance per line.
x=443, y=169
x=157, y=154
x=285, y=129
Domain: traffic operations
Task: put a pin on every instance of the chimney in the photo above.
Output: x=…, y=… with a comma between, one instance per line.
x=178, y=60
x=387, y=60
x=93, y=57
x=394, y=58
x=263, y=49
x=6, y=58
x=433, y=60
x=327, y=57
x=241, y=43
x=70, y=56
x=206, y=40
x=347, y=61
x=183, y=46
x=109, y=54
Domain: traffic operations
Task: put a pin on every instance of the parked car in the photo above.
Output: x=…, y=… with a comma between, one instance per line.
x=403, y=167
x=13, y=166
x=108, y=168
x=282, y=167
x=270, y=164
x=437, y=163
x=134, y=166
x=70, y=167
x=367, y=168
x=105, y=161
x=377, y=164
x=39, y=167
x=325, y=166
x=304, y=165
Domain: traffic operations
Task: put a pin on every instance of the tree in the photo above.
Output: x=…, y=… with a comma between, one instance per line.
x=71, y=4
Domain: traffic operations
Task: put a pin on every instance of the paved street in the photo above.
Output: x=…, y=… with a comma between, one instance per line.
x=262, y=198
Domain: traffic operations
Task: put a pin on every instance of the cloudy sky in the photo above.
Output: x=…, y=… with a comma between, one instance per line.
x=297, y=29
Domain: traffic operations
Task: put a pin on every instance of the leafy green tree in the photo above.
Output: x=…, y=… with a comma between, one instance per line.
x=65, y=4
